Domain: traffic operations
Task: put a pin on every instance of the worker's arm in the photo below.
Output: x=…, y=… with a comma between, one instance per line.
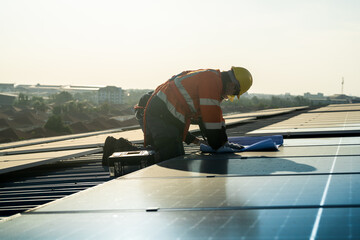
x=211, y=113
x=190, y=138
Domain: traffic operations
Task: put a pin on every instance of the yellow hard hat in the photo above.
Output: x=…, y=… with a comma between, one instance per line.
x=243, y=76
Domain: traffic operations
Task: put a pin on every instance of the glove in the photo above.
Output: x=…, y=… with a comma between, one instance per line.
x=233, y=145
x=198, y=142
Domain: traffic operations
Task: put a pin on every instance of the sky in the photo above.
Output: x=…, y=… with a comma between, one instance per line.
x=289, y=46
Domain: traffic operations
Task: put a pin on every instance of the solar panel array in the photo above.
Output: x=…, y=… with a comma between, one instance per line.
x=306, y=190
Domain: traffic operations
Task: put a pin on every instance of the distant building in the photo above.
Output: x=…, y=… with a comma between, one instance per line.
x=6, y=87
x=340, y=98
x=96, y=94
x=46, y=90
x=24, y=88
x=319, y=96
x=334, y=99
x=81, y=89
x=110, y=94
x=7, y=99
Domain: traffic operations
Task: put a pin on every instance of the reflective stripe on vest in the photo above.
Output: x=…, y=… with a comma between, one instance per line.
x=214, y=126
x=209, y=102
x=171, y=107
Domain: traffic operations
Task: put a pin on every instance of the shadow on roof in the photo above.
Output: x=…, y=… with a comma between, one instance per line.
x=232, y=164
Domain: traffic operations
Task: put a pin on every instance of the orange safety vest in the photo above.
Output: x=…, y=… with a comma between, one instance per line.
x=193, y=94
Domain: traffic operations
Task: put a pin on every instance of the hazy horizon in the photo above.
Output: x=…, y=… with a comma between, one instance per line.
x=148, y=89
x=289, y=46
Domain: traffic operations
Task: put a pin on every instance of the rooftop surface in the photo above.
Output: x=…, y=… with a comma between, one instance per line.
x=306, y=190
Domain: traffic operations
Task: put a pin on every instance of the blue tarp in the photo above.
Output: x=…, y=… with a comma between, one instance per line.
x=266, y=143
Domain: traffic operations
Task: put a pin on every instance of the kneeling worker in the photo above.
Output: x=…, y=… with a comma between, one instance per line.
x=191, y=96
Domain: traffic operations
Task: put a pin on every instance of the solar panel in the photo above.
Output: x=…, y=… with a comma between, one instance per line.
x=344, y=190
x=322, y=141
x=339, y=223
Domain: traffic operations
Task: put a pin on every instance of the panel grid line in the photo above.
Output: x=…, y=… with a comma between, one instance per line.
x=326, y=189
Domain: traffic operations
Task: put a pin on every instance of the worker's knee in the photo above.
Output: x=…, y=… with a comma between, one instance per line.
x=168, y=147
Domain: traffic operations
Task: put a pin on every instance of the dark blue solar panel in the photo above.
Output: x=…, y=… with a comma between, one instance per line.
x=339, y=223
x=344, y=189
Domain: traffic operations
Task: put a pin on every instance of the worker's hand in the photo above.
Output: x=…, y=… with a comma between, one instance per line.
x=233, y=145
x=199, y=141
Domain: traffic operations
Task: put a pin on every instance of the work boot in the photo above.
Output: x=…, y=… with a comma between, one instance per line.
x=108, y=149
x=123, y=145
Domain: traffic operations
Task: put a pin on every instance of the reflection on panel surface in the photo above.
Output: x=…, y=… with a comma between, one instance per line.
x=228, y=224
x=197, y=193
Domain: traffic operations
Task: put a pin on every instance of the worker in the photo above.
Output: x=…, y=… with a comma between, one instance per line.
x=192, y=96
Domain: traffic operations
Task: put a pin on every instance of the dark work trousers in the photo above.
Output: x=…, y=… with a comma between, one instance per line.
x=163, y=132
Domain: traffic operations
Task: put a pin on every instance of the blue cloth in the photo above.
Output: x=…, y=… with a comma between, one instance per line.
x=266, y=143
